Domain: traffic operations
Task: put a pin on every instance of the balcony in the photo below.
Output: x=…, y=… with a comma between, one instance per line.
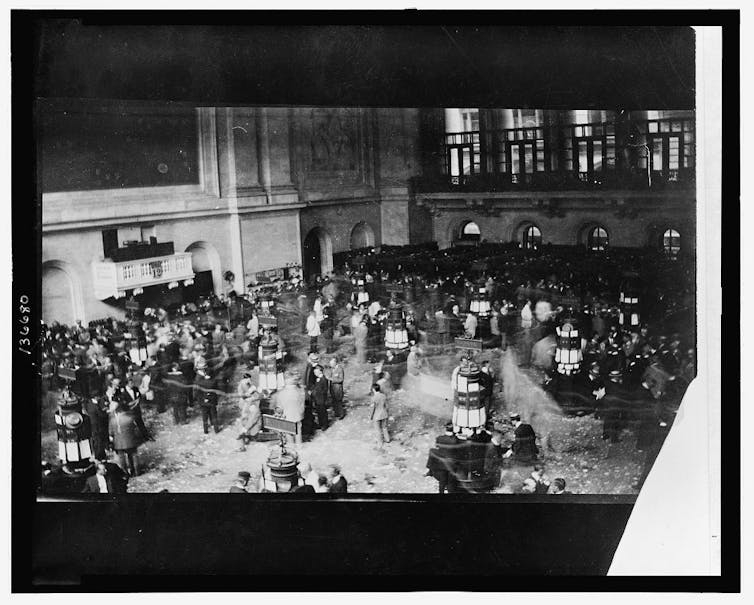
x=651, y=155
x=115, y=279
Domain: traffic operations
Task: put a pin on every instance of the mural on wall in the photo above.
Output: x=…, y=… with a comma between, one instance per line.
x=335, y=140
x=114, y=149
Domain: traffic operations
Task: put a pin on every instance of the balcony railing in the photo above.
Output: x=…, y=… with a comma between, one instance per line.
x=115, y=279
x=647, y=154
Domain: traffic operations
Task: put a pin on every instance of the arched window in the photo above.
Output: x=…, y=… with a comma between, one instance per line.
x=671, y=242
x=532, y=237
x=598, y=239
x=470, y=231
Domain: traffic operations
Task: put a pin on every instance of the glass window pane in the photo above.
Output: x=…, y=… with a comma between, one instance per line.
x=587, y=131
x=664, y=127
x=467, y=161
x=657, y=154
x=454, y=161
x=515, y=168
x=583, y=161
x=652, y=126
x=676, y=126
x=597, y=155
x=528, y=159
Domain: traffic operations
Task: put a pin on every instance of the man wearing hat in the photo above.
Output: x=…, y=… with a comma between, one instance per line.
x=205, y=393
x=443, y=458
x=524, y=449
x=177, y=393
x=336, y=378
x=242, y=481
x=612, y=407
x=251, y=416
x=308, y=382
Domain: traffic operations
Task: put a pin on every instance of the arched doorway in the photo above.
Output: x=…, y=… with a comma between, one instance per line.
x=317, y=253
x=362, y=236
x=205, y=263
x=597, y=238
x=62, y=299
x=468, y=232
x=670, y=242
x=531, y=237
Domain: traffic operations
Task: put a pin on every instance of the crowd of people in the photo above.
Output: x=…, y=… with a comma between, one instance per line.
x=191, y=357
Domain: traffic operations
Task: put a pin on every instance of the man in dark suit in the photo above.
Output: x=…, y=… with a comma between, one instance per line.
x=242, y=481
x=338, y=483
x=97, y=409
x=319, y=394
x=524, y=449
x=444, y=458
x=176, y=393
x=109, y=479
x=131, y=399
x=206, y=394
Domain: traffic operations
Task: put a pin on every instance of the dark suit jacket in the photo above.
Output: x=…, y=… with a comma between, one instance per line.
x=320, y=391
x=115, y=478
x=525, y=444
x=341, y=487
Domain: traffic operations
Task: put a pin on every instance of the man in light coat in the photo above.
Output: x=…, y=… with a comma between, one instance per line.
x=379, y=415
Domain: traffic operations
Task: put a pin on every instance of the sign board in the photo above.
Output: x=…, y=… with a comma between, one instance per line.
x=281, y=425
x=472, y=344
x=67, y=374
x=268, y=321
x=269, y=275
x=397, y=288
x=132, y=305
x=479, y=265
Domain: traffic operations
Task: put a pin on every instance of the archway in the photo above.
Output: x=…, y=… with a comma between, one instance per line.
x=670, y=242
x=531, y=236
x=593, y=236
x=467, y=232
x=597, y=238
x=205, y=263
x=362, y=236
x=317, y=253
x=62, y=298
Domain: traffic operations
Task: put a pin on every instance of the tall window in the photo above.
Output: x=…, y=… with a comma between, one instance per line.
x=671, y=242
x=532, y=237
x=597, y=239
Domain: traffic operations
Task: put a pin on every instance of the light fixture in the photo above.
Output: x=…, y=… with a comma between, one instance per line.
x=360, y=295
x=188, y=282
x=629, y=315
x=172, y=284
x=271, y=371
x=396, y=335
x=468, y=409
x=74, y=430
x=568, y=355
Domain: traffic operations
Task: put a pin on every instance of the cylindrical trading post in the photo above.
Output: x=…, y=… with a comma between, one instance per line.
x=266, y=305
x=629, y=315
x=359, y=295
x=396, y=334
x=568, y=354
x=480, y=306
x=281, y=474
x=468, y=400
x=74, y=432
x=271, y=370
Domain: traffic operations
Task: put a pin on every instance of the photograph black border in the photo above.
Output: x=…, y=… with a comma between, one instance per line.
x=426, y=542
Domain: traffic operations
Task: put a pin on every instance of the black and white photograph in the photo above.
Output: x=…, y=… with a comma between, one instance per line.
x=283, y=290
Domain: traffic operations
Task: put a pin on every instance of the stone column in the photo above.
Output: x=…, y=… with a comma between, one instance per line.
x=226, y=153
x=263, y=153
